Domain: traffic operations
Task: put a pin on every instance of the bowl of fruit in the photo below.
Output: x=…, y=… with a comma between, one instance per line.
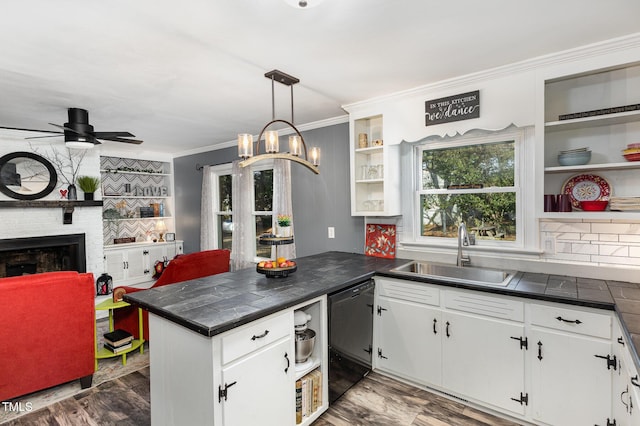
x=277, y=268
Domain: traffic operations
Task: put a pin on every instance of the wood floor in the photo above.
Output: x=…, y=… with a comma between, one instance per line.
x=376, y=400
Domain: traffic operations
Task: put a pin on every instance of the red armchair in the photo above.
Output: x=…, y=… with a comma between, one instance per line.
x=47, y=331
x=183, y=267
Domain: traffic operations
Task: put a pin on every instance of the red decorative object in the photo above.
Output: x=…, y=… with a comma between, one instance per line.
x=586, y=188
x=380, y=241
x=63, y=193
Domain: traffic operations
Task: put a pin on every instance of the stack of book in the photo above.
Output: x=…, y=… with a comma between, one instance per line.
x=118, y=341
x=308, y=395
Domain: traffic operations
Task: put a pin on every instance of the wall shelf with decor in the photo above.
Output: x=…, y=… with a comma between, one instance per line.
x=373, y=192
x=596, y=112
x=137, y=194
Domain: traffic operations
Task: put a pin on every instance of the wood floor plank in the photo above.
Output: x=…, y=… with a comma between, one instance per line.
x=376, y=401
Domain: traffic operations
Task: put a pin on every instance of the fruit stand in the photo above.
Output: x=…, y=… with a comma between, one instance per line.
x=280, y=267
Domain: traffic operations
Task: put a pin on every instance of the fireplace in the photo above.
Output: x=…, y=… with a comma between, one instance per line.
x=22, y=256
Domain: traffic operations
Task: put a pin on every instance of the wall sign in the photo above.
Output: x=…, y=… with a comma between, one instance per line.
x=452, y=108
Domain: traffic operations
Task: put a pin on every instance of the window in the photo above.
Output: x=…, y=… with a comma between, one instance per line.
x=262, y=202
x=470, y=180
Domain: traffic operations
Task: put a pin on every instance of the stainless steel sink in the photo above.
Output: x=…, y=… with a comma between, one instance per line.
x=456, y=274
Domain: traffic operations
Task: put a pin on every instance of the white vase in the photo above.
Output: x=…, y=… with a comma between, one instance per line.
x=284, y=231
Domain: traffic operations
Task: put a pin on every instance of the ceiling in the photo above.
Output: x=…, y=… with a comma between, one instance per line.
x=187, y=75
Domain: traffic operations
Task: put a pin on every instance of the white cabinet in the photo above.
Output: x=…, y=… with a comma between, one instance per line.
x=258, y=361
x=407, y=331
x=625, y=397
x=244, y=376
x=545, y=363
x=605, y=128
x=484, y=346
x=375, y=182
x=571, y=365
x=133, y=263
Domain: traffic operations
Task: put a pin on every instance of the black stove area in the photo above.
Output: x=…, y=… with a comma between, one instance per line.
x=24, y=256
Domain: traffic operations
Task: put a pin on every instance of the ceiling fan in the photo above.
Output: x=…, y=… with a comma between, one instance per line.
x=79, y=134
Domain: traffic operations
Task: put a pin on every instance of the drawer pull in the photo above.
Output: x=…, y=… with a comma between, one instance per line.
x=569, y=321
x=260, y=336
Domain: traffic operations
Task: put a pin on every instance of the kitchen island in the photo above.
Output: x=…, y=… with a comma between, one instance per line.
x=215, y=307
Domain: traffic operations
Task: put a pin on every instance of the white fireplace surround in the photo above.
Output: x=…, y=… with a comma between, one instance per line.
x=37, y=222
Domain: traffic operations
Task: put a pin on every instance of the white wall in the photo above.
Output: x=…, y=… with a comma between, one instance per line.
x=36, y=222
x=514, y=94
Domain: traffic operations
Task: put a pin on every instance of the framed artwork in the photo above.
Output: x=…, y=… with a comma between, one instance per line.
x=170, y=236
x=380, y=240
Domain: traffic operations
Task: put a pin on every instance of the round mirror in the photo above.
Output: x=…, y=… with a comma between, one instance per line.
x=26, y=176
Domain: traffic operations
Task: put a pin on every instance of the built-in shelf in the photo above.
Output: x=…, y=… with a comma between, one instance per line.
x=137, y=218
x=594, y=121
x=137, y=196
x=606, y=214
x=114, y=171
x=599, y=167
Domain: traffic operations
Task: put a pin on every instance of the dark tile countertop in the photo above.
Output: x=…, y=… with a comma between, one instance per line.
x=218, y=303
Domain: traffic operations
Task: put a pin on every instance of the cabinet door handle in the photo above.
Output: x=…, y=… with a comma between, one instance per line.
x=286, y=356
x=569, y=321
x=260, y=336
x=539, y=350
x=621, y=340
x=447, y=329
x=626, y=406
x=634, y=381
x=435, y=321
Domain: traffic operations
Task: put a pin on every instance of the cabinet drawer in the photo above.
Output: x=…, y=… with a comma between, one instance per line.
x=408, y=290
x=572, y=320
x=255, y=335
x=491, y=306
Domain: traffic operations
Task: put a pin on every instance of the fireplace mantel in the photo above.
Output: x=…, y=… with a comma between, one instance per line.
x=66, y=205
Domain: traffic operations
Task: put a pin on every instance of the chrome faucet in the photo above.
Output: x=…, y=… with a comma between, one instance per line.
x=463, y=239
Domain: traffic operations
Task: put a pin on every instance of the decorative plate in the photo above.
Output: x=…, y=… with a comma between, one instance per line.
x=586, y=188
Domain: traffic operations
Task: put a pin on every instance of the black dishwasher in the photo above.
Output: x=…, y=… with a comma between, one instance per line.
x=350, y=334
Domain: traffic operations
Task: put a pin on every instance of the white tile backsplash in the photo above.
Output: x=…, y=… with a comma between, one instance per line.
x=597, y=242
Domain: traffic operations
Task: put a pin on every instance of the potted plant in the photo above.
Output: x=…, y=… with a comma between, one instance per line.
x=89, y=185
x=284, y=225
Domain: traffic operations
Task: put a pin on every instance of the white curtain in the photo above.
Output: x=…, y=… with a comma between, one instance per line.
x=282, y=203
x=207, y=215
x=242, y=241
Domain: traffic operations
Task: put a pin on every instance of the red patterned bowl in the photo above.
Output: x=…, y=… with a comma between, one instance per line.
x=632, y=157
x=593, y=206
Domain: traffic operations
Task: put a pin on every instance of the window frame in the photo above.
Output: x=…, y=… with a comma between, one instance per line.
x=227, y=169
x=523, y=183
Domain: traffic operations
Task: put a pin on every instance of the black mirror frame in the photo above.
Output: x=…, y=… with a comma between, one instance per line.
x=53, y=176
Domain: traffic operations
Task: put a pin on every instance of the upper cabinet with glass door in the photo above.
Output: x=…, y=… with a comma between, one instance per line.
x=375, y=188
x=596, y=111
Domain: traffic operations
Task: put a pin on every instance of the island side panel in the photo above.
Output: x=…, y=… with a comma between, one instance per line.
x=182, y=379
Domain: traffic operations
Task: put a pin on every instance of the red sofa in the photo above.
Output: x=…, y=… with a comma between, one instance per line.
x=47, y=331
x=183, y=267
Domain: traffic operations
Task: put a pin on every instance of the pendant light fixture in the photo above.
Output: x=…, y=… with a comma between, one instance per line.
x=297, y=145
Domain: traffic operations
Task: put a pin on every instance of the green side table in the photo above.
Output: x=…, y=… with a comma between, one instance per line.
x=101, y=353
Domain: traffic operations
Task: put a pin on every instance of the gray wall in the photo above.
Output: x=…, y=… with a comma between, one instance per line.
x=319, y=201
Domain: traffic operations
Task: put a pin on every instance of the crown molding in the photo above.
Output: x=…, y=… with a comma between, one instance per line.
x=532, y=64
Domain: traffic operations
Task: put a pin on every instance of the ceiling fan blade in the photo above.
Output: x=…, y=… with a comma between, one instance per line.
x=70, y=129
x=48, y=136
x=134, y=141
x=29, y=130
x=104, y=135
